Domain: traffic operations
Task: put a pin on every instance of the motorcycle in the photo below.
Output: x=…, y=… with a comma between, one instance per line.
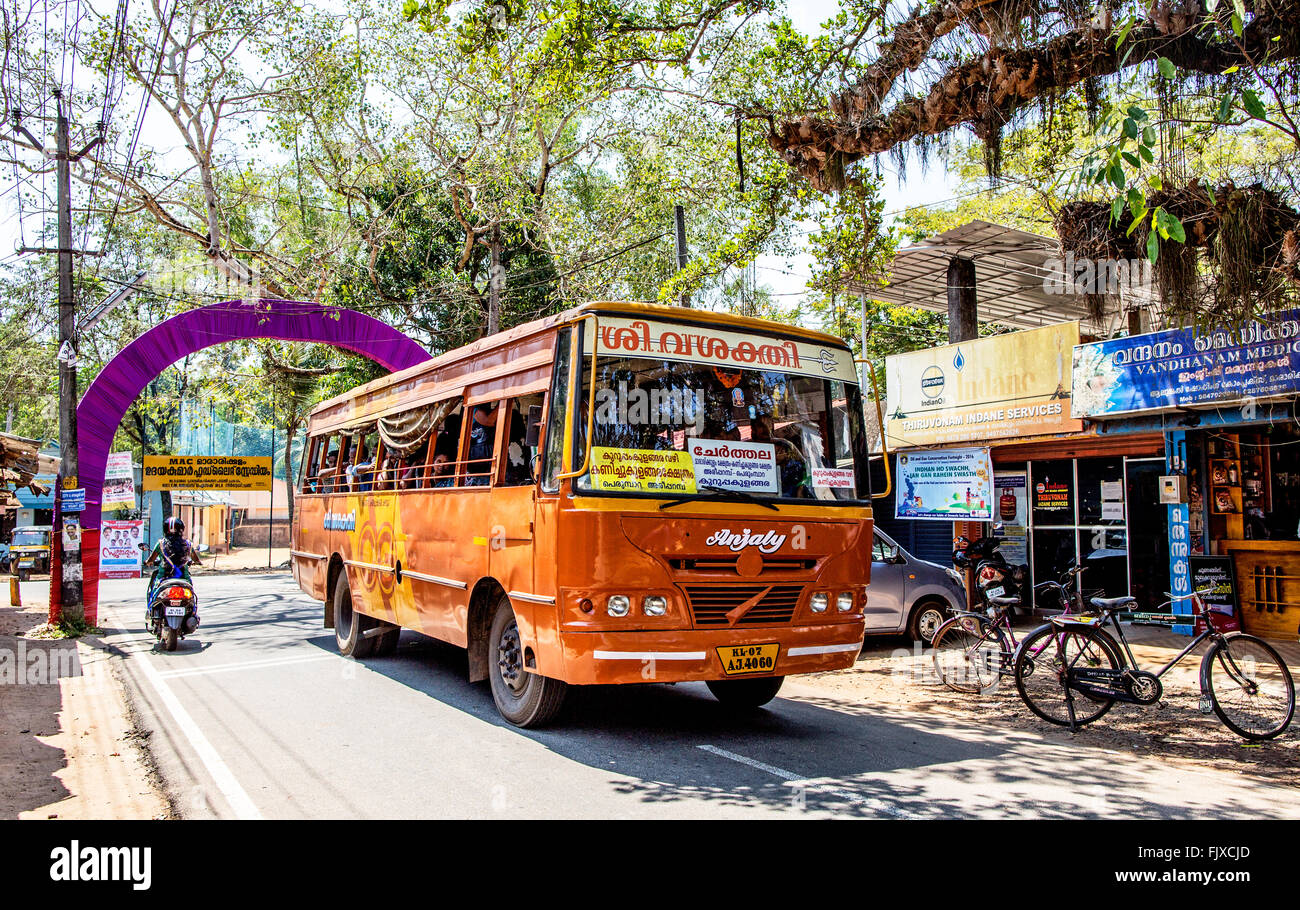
x=994, y=576
x=173, y=609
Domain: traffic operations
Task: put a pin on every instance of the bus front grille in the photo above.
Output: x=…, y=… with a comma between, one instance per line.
x=710, y=605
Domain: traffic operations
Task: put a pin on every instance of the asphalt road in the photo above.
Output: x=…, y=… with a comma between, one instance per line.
x=256, y=715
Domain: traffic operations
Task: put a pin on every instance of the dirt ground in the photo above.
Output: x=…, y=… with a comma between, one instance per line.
x=68, y=746
x=893, y=675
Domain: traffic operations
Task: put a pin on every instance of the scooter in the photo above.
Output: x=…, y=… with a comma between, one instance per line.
x=173, y=609
x=994, y=576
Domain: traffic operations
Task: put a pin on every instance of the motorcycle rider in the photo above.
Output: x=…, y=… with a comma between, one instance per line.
x=173, y=549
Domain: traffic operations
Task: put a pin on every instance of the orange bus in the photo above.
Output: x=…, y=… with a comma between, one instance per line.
x=621, y=493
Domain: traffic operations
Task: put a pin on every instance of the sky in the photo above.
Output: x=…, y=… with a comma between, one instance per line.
x=785, y=277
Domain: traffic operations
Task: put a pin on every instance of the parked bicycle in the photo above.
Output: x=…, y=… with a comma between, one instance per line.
x=973, y=651
x=1071, y=670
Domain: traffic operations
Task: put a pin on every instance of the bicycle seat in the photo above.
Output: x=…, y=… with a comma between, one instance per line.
x=1005, y=601
x=1112, y=603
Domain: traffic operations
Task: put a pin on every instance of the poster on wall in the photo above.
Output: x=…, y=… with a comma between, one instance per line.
x=1011, y=491
x=119, y=483
x=119, y=549
x=945, y=485
x=1217, y=574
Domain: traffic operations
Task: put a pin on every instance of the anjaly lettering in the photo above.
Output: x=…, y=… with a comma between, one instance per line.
x=767, y=542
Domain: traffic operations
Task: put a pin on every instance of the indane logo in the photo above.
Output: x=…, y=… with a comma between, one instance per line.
x=76, y=863
x=650, y=407
x=768, y=542
x=337, y=521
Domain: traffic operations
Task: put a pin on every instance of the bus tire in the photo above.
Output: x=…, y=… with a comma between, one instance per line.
x=745, y=693
x=349, y=625
x=524, y=699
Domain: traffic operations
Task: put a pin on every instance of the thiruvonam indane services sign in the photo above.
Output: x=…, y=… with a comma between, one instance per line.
x=207, y=472
x=1003, y=386
x=1179, y=367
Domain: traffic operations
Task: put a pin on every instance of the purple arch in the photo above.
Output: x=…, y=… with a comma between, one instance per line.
x=135, y=366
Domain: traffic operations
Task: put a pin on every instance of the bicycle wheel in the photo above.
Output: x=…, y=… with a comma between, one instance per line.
x=969, y=651
x=1039, y=670
x=1249, y=686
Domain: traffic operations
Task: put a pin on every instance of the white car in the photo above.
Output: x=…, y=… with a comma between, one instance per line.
x=909, y=595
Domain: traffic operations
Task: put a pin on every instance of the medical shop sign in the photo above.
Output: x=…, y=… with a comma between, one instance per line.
x=1179, y=368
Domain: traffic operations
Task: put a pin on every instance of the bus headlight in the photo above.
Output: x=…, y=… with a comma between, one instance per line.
x=618, y=605
x=654, y=605
x=818, y=602
x=844, y=603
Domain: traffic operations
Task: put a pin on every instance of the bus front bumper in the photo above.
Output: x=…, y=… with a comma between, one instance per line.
x=609, y=658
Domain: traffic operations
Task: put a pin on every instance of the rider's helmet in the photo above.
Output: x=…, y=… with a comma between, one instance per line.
x=174, y=526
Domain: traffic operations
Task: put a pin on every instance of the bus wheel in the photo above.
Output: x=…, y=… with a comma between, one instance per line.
x=525, y=699
x=745, y=693
x=349, y=625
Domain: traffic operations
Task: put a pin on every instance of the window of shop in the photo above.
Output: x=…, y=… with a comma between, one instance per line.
x=1079, y=518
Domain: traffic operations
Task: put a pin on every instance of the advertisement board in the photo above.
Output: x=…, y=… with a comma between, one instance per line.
x=119, y=483
x=945, y=485
x=207, y=472
x=1011, y=489
x=1179, y=368
x=720, y=348
x=1011, y=385
x=119, y=549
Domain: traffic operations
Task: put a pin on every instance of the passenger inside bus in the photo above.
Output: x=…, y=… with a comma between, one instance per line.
x=482, y=435
x=329, y=471
x=361, y=472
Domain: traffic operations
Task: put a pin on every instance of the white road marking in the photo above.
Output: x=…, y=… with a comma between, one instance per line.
x=221, y=773
x=247, y=665
x=791, y=777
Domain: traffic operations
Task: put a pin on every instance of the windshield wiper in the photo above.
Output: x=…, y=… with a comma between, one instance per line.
x=716, y=492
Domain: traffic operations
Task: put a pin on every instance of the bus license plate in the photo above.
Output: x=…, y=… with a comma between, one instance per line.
x=737, y=660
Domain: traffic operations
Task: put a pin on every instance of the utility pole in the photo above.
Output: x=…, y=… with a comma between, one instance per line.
x=69, y=563
x=679, y=215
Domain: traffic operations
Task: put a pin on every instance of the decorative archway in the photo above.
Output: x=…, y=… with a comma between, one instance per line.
x=106, y=401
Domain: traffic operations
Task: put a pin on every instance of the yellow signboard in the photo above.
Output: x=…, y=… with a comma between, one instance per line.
x=1000, y=387
x=207, y=472
x=643, y=470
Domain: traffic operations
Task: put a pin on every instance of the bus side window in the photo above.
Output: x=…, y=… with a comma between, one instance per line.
x=361, y=471
x=480, y=439
x=553, y=436
x=309, y=477
x=441, y=472
x=329, y=467
x=520, y=454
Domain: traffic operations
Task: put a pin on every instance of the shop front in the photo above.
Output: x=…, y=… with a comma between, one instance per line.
x=1062, y=493
x=1225, y=403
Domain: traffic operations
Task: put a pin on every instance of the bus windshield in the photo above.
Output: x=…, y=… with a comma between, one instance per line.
x=669, y=427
